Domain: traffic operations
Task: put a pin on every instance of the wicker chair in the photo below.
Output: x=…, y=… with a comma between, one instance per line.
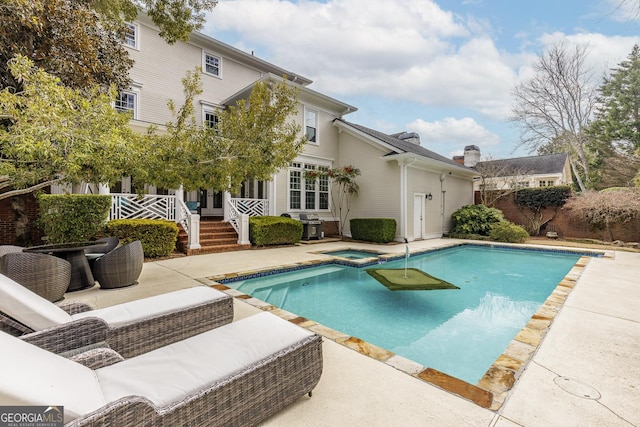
x=7, y=249
x=121, y=267
x=131, y=328
x=236, y=375
x=46, y=275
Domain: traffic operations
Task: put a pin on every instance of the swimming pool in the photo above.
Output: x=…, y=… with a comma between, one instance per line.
x=459, y=332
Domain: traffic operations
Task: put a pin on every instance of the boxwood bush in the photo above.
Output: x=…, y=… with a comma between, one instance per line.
x=73, y=217
x=274, y=230
x=379, y=230
x=475, y=219
x=508, y=232
x=158, y=237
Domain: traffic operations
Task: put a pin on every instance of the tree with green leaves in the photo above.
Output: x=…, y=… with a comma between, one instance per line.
x=533, y=203
x=80, y=41
x=616, y=127
x=50, y=133
x=176, y=19
x=346, y=188
x=252, y=140
x=555, y=106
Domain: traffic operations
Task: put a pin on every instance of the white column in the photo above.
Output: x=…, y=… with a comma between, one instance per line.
x=178, y=205
x=194, y=232
x=104, y=189
x=243, y=225
x=226, y=199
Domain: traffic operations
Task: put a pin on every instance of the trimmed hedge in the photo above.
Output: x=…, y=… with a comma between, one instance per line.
x=508, y=232
x=158, y=237
x=379, y=230
x=73, y=217
x=274, y=230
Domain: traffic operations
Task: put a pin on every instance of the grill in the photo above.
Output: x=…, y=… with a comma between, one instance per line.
x=311, y=226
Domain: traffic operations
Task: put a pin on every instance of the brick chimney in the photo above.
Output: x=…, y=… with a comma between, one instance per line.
x=471, y=155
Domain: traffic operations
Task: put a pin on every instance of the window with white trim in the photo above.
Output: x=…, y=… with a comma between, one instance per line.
x=546, y=183
x=522, y=184
x=308, y=189
x=210, y=119
x=127, y=101
x=131, y=35
x=212, y=64
x=311, y=125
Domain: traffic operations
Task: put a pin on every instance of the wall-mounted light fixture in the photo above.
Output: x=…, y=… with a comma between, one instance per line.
x=428, y=196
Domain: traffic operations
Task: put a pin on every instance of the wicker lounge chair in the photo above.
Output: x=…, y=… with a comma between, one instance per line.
x=130, y=329
x=7, y=249
x=235, y=375
x=121, y=267
x=46, y=275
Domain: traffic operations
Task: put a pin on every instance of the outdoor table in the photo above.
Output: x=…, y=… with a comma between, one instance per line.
x=81, y=276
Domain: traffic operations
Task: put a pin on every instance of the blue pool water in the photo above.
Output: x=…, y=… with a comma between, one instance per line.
x=459, y=332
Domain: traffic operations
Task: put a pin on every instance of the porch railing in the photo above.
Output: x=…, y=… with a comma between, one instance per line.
x=239, y=211
x=172, y=208
x=148, y=206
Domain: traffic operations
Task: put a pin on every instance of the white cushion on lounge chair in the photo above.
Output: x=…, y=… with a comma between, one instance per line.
x=33, y=376
x=170, y=373
x=37, y=313
x=28, y=307
x=136, y=310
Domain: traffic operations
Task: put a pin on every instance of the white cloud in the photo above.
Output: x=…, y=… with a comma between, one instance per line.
x=409, y=49
x=451, y=135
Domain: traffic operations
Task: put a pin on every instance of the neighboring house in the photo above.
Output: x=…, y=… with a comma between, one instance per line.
x=400, y=179
x=521, y=172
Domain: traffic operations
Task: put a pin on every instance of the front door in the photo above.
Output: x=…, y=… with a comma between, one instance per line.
x=418, y=215
x=210, y=203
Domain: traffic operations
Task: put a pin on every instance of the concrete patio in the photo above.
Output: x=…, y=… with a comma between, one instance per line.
x=585, y=372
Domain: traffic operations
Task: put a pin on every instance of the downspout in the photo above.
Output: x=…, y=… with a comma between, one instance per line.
x=403, y=195
x=442, y=201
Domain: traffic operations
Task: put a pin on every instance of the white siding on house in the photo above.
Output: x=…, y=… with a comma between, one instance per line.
x=379, y=195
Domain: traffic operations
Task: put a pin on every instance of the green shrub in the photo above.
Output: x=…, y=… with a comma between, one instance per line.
x=379, y=230
x=158, y=237
x=508, y=232
x=73, y=217
x=475, y=219
x=274, y=230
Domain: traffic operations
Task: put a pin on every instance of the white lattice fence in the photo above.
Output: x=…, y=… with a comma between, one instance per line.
x=146, y=207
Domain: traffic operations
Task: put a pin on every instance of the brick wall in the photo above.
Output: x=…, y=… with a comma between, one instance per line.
x=18, y=221
x=569, y=226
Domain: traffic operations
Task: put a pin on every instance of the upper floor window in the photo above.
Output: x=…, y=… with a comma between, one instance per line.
x=522, y=184
x=127, y=101
x=547, y=183
x=212, y=64
x=311, y=124
x=131, y=35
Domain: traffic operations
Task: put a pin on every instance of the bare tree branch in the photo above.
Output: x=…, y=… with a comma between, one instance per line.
x=556, y=104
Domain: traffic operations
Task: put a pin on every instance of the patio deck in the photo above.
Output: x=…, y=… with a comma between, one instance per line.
x=585, y=372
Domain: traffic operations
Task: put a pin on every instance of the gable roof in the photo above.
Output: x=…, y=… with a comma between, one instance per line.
x=532, y=165
x=401, y=146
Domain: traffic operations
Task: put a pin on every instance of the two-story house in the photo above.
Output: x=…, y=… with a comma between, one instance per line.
x=400, y=178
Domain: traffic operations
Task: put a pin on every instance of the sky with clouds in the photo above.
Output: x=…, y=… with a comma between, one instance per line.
x=444, y=69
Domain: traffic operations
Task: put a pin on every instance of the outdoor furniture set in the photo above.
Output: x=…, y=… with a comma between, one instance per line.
x=52, y=270
x=167, y=360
